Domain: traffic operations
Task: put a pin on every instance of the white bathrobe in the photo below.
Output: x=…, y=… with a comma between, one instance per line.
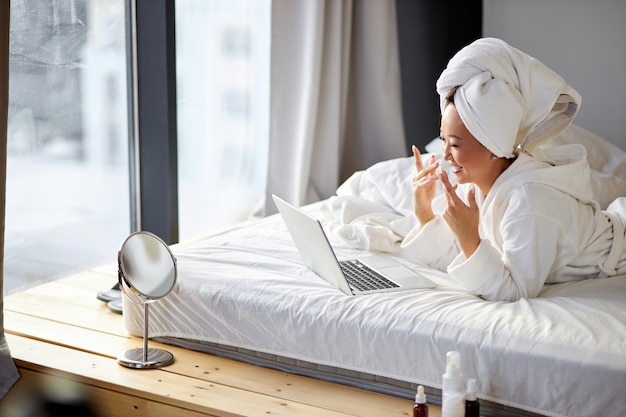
x=538, y=225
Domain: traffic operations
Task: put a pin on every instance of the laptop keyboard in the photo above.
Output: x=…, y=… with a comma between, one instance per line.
x=363, y=278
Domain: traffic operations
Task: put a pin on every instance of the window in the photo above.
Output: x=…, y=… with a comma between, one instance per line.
x=222, y=50
x=68, y=193
x=67, y=165
x=236, y=42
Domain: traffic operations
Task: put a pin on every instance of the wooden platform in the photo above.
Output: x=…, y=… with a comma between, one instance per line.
x=61, y=336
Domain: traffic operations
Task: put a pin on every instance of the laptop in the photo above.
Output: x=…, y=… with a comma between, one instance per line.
x=370, y=274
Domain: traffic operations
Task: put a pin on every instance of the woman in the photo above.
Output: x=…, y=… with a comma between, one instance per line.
x=521, y=213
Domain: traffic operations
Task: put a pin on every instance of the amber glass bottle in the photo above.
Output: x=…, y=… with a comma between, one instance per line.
x=420, y=409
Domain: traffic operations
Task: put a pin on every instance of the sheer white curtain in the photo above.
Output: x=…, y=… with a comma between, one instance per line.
x=335, y=94
x=8, y=370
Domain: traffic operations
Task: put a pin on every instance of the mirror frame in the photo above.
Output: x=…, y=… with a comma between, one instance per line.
x=123, y=278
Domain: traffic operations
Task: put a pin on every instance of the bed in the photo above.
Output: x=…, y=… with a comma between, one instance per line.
x=245, y=294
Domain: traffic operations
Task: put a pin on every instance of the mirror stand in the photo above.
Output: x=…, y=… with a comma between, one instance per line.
x=147, y=272
x=145, y=358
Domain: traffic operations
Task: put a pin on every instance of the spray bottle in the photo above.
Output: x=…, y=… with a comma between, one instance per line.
x=472, y=406
x=420, y=409
x=453, y=389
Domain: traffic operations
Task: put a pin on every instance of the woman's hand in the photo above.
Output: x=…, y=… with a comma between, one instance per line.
x=461, y=218
x=424, y=187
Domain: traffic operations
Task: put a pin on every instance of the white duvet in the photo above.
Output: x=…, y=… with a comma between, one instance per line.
x=562, y=354
x=371, y=208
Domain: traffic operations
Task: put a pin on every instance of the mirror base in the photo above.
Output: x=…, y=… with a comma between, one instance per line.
x=133, y=358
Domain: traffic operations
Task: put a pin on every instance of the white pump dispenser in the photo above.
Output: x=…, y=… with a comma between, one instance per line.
x=470, y=394
x=453, y=389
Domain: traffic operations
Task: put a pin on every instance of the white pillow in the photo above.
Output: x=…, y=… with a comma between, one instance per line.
x=607, y=162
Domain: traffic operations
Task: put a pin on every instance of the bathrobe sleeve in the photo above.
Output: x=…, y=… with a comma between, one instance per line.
x=434, y=243
x=520, y=268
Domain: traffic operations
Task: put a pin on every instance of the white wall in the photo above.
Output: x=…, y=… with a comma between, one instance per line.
x=582, y=40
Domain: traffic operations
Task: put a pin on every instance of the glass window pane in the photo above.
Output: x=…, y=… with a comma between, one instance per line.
x=222, y=64
x=67, y=164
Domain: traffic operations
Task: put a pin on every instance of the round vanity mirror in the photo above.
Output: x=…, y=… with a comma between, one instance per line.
x=147, y=272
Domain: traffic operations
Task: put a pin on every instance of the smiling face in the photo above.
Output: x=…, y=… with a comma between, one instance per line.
x=471, y=161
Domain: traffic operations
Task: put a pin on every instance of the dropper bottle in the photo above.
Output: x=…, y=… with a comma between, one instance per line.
x=472, y=406
x=420, y=409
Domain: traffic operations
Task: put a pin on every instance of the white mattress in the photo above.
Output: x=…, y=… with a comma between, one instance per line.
x=562, y=354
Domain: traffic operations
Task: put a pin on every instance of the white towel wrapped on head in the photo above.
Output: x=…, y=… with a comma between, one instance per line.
x=506, y=98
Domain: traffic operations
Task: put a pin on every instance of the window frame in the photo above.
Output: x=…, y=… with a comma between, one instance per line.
x=153, y=156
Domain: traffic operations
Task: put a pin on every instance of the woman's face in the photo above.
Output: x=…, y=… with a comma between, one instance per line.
x=470, y=161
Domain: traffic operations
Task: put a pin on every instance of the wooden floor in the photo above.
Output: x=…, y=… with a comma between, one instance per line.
x=62, y=337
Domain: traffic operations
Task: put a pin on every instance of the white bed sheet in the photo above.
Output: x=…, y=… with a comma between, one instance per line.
x=562, y=354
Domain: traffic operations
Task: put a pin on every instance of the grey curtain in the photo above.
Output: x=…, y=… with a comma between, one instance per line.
x=335, y=103
x=8, y=370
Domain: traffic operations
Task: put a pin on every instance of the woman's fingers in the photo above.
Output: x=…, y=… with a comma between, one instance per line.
x=418, y=159
x=417, y=156
x=425, y=174
x=448, y=188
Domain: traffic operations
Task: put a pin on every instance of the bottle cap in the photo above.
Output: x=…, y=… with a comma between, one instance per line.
x=453, y=363
x=420, y=397
x=470, y=395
